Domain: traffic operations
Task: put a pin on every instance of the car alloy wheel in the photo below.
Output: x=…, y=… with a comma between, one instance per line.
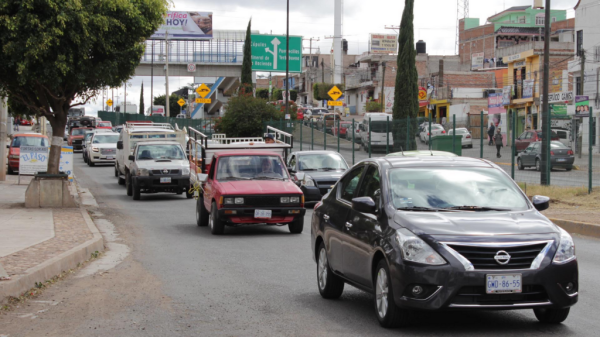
x=520, y=164
x=381, y=293
x=537, y=165
x=322, y=271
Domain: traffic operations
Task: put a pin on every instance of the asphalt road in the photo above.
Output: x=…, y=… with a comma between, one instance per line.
x=261, y=281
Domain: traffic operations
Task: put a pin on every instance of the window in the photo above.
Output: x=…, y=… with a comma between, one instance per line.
x=553, y=19
x=540, y=19
x=578, y=86
x=529, y=135
x=579, y=42
x=522, y=19
x=536, y=146
x=160, y=152
x=350, y=183
x=371, y=185
x=597, y=54
x=292, y=162
x=250, y=167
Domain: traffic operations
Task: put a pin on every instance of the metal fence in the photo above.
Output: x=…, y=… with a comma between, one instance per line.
x=118, y=118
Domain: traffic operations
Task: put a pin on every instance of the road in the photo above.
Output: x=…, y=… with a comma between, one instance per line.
x=256, y=281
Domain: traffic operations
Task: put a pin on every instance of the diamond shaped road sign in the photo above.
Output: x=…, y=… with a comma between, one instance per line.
x=109, y=102
x=181, y=102
x=334, y=93
x=203, y=90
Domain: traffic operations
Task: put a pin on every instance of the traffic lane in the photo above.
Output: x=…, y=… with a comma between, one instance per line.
x=262, y=280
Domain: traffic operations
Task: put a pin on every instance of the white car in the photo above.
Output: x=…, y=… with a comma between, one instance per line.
x=436, y=130
x=102, y=148
x=467, y=139
x=181, y=116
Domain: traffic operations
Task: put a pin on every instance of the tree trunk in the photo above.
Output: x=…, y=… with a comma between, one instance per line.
x=58, y=122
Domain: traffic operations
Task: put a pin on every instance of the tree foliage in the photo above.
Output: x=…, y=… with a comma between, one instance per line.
x=406, y=102
x=278, y=95
x=174, y=108
x=142, y=100
x=245, y=115
x=320, y=90
x=247, y=62
x=262, y=93
x=57, y=54
x=373, y=106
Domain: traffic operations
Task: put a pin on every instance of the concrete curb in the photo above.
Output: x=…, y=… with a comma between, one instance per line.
x=577, y=227
x=65, y=261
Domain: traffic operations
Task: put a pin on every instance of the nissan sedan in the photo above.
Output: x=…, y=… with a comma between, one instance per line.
x=441, y=233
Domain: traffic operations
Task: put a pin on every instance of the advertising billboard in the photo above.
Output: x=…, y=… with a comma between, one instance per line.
x=528, y=88
x=268, y=53
x=582, y=106
x=495, y=104
x=477, y=60
x=186, y=26
x=506, y=94
x=383, y=44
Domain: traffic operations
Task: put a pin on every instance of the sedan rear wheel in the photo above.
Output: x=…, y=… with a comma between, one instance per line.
x=520, y=164
x=388, y=314
x=551, y=316
x=330, y=285
x=537, y=165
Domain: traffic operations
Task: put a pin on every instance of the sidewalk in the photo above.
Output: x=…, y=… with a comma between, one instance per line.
x=37, y=244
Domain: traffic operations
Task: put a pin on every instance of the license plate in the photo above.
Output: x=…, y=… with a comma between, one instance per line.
x=262, y=213
x=165, y=180
x=110, y=157
x=561, y=159
x=503, y=284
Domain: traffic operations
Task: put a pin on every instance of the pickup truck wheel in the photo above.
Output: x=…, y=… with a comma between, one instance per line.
x=116, y=172
x=120, y=181
x=297, y=225
x=136, y=192
x=90, y=162
x=128, y=185
x=217, y=227
x=201, y=213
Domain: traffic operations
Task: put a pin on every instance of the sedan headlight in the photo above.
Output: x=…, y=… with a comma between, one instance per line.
x=416, y=250
x=185, y=171
x=308, y=182
x=143, y=172
x=95, y=149
x=566, y=248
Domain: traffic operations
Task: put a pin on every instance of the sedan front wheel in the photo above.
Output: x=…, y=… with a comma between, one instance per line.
x=388, y=314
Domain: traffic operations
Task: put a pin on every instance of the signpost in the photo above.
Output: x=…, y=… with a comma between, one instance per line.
x=32, y=159
x=268, y=53
x=203, y=90
x=335, y=93
x=66, y=161
x=109, y=102
x=191, y=68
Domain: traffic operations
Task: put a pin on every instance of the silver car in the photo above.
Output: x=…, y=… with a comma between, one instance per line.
x=436, y=130
x=467, y=139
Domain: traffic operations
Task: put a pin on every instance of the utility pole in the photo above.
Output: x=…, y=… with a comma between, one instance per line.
x=152, y=81
x=545, y=176
x=310, y=65
x=322, y=71
x=338, y=63
x=167, y=74
x=383, y=64
x=125, y=97
x=113, y=99
x=287, y=58
x=3, y=131
x=581, y=84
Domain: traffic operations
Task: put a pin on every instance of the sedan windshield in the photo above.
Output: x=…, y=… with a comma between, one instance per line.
x=29, y=141
x=106, y=139
x=78, y=132
x=457, y=187
x=250, y=167
x=160, y=152
x=321, y=162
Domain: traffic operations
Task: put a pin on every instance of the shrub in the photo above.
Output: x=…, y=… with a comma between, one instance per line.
x=245, y=115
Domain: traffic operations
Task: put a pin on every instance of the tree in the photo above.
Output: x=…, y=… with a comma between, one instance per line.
x=57, y=54
x=174, y=107
x=245, y=116
x=406, y=102
x=247, y=62
x=142, y=100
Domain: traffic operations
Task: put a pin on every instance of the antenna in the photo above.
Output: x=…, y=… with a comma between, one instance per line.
x=462, y=12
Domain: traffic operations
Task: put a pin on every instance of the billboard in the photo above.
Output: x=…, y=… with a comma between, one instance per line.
x=495, y=105
x=384, y=44
x=268, y=53
x=528, y=88
x=506, y=94
x=477, y=60
x=186, y=26
x=33, y=159
x=582, y=106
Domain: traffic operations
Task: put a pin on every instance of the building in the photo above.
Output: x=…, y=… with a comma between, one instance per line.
x=587, y=43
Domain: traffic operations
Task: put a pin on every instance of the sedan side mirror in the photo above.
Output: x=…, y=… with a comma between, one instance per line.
x=131, y=157
x=364, y=205
x=120, y=145
x=540, y=202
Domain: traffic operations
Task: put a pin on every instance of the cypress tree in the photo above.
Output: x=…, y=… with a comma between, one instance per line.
x=406, y=103
x=142, y=100
x=247, y=62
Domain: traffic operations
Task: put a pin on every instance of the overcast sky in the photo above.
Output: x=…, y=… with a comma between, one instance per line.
x=435, y=23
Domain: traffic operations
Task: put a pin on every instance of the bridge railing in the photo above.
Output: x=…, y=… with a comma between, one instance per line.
x=206, y=51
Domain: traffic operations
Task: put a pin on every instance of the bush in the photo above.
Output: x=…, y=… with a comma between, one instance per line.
x=245, y=116
x=262, y=93
x=373, y=106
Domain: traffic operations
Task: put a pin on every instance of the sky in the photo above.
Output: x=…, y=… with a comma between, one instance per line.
x=434, y=23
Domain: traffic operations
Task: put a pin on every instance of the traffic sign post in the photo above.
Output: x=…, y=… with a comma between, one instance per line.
x=335, y=103
x=269, y=53
x=191, y=68
x=181, y=102
x=335, y=93
x=203, y=90
x=203, y=100
x=109, y=102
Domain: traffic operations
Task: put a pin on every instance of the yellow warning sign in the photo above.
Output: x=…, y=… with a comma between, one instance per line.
x=109, y=102
x=335, y=93
x=203, y=90
x=181, y=102
x=204, y=100
x=335, y=103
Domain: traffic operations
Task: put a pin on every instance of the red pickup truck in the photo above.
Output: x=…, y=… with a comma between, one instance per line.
x=246, y=182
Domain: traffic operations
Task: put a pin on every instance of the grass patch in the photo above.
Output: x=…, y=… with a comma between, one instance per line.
x=565, y=197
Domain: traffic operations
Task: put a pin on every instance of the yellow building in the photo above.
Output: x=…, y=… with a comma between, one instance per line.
x=523, y=81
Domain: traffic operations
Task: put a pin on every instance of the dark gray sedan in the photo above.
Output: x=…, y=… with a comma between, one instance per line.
x=316, y=172
x=441, y=233
x=560, y=156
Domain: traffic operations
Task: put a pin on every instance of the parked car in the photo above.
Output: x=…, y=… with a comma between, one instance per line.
x=181, y=116
x=327, y=121
x=345, y=129
x=436, y=129
x=380, y=135
x=14, y=148
x=467, y=139
x=313, y=114
x=76, y=137
x=102, y=148
x=316, y=172
x=441, y=233
x=104, y=125
x=531, y=136
x=560, y=156
x=25, y=121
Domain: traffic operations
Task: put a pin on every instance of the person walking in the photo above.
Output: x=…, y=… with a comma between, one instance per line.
x=491, y=130
x=498, y=142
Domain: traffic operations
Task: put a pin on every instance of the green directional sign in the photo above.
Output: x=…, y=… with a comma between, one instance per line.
x=268, y=53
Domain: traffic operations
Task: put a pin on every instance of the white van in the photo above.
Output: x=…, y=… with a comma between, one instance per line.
x=156, y=110
x=564, y=136
x=379, y=137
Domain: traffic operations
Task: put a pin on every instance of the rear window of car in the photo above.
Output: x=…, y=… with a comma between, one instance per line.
x=461, y=131
x=29, y=141
x=557, y=145
x=438, y=127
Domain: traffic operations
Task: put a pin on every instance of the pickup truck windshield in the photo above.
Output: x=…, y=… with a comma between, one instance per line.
x=106, y=139
x=250, y=167
x=321, y=162
x=160, y=151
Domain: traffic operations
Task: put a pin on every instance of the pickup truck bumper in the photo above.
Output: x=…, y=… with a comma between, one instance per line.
x=177, y=183
x=280, y=215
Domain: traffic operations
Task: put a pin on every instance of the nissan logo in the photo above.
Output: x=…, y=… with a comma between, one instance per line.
x=167, y=171
x=502, y=257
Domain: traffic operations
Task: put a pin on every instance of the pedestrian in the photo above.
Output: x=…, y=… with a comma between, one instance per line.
x=269, y=138
x=498, y=142
x=491, y=130
x=15, y=124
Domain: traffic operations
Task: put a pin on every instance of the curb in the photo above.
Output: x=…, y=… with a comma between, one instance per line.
x=50, y=268
x=577, y=227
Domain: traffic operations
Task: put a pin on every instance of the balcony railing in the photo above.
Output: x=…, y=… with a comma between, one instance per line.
x=209, y=51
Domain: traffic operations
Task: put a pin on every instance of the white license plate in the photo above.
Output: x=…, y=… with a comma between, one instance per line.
x=110, y=157
x=503, y=284
x=165, y=180
x=561, y=159
x=262, y=213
